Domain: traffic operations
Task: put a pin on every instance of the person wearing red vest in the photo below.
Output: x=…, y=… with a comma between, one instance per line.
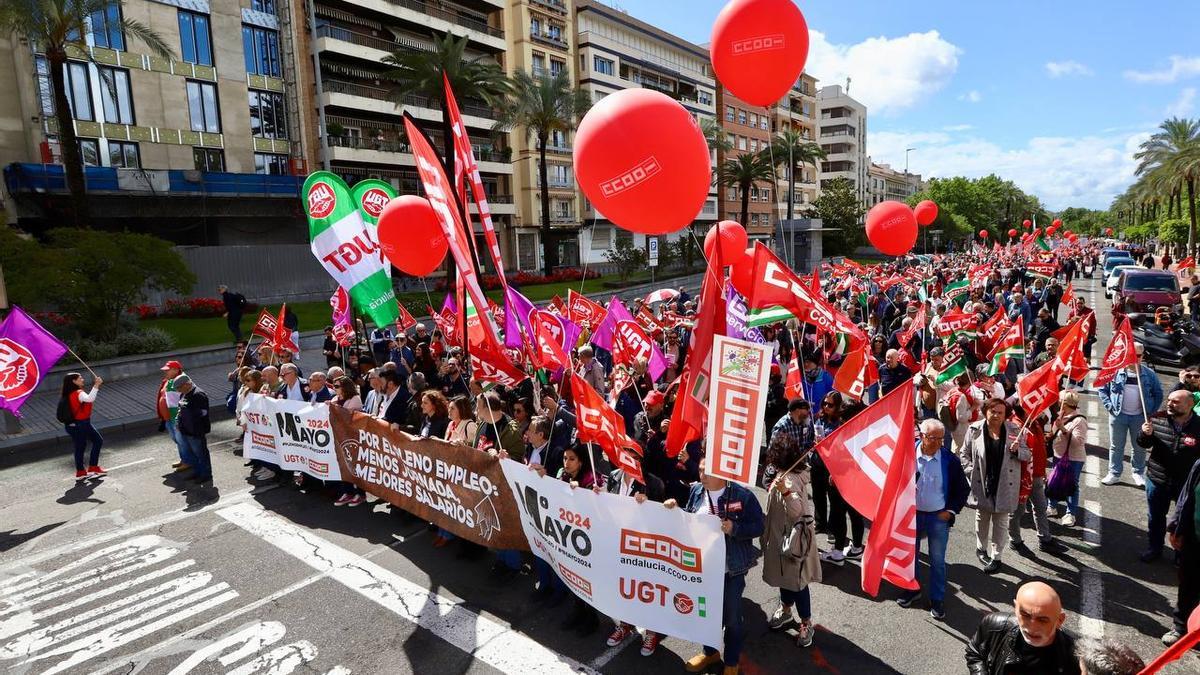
x=80, y=428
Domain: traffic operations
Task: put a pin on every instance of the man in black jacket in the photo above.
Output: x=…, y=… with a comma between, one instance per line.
x=1185, y=538
x=621, y=483
x=1030, y=640
x=235, y=306
x=1173, y=438
x=193, y=425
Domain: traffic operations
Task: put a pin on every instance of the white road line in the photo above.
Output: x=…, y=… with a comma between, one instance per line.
x=488, y=641
x=1091, y=471
x=119, y=466
x=1091, y=584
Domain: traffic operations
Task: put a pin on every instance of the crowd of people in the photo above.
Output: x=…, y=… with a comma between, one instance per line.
x=975, y=445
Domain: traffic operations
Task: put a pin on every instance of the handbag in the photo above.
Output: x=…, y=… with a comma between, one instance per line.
x=1062, y=483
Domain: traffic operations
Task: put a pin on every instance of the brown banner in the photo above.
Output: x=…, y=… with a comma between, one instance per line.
x=459, y=489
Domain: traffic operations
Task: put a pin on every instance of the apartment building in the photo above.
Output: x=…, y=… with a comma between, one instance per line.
x=748, y=130
x=798, y=111
x=197, y=148
x=885, y=183
x=617, y=51
x=843, y=136
x=541, y=41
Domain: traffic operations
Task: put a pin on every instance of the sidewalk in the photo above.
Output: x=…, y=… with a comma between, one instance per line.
x=129, y=404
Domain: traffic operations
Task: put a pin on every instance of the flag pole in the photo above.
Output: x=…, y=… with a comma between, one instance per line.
x=84, y=363
x=592, y=455
x=1137, y=374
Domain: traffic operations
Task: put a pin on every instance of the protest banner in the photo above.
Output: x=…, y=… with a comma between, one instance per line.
x=293, y=435
x=737, y=404
x=457, y=488
x=657, y=568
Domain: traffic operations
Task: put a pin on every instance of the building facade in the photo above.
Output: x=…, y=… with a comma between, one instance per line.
x=885, y=183
x=748, y=130
x=617, y=51
x=797, y=111
x=843, y=137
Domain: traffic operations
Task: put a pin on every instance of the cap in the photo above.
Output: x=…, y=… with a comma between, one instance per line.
x=172, y=364
x=654, y=398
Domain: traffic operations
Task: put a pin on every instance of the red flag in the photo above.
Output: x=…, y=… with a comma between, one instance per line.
x=918, y=323
x=872, y=459
x=794, y=385
x=405, y=320
x=857, y=373
x=630, y=343
x=689, y=419
x=584, y=311
x=992, y=329
x=598, y=423
x=264, y=327
x=1119, y=355
x=815, y=284
x=1039, y=390
x=465, y=166
x=548, y=334
x=559, y=307
x=282, y=339
x=1069, y=295
x=1070, y=358
x=489, y=364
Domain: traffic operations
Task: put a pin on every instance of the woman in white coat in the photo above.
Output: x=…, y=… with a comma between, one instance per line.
x=995, y=448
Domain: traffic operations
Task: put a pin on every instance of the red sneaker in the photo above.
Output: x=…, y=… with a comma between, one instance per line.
x=96, y=472
x=619, y=634
x=80, y=474
x=650, y=643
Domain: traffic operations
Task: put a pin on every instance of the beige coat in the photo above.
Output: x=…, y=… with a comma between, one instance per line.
x=1071, y=439
x=1009, y=491
x=789, y=540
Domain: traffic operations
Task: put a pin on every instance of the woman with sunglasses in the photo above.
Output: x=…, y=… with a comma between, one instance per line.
x=1070, y=445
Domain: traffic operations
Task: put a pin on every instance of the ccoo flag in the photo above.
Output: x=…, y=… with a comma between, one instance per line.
x=347, y=247
x=27, y=353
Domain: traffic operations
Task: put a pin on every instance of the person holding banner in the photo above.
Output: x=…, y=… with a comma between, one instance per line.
x=78, y=423
x=621, y=483
x=791, y=559
x=742, y=521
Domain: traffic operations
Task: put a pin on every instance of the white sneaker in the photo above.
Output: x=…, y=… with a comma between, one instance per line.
x=1068, y=520
x=264, y=474
x=833, y=557
x=1139, y=480
x=1111, y=479
x=783, y=616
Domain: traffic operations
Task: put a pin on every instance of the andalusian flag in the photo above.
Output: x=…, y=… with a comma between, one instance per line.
x=1012, y=343
x=958, y=291
x=954, y=365
x=956, y=323
x=372, y=195
x=767, y=316
x=347, y=247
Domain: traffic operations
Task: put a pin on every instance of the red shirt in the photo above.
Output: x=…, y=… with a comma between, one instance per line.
x=82, y=411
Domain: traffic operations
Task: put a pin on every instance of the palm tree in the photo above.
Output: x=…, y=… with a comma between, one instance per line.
x=714, y=135
x=55, y=27
x=544, y=104
x=791, y=148
x=745, y=171
x=1175, y=148
x=419, y=73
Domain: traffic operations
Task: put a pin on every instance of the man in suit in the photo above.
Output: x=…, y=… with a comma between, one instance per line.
x=621, y=483
x=293, y=387
x=394, y=405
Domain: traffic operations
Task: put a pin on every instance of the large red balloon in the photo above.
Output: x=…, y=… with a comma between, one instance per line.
x=983, y=234
x=1052, y=229
x=642, y=161
x=1012, y=232
x=742, y=274
x=411, y=236
x=926, y=212
x=1108, y=231
x=732, y=238
x=892, y=227
x=1057, y=223
x=759, y=48
x=1068, y=234
x=1026, y=224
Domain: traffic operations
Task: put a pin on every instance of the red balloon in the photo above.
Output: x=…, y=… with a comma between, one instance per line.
x=1052, y=229
x=983, y=234
x=742, y=274
x=1068, y=234
x=1026, y=224
x=926, y=212
x=1108, y=231
x=411, y=235
x=1057, y=223
x=642, y=161
x=759, y=48
x=1012, y=232
x=892, y=227
x=732, y=238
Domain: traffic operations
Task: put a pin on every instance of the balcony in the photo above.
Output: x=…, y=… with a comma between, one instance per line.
x=557, y=6
x=559, y=149
x=390, y=149
x=377, y=99
x=461, y=16
x=546, y=38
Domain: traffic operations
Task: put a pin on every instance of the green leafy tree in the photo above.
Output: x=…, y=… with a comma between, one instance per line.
x=1174, y=231
x=57, y=28
x=1171, y=156
x=544, y=105
x=743, y=172
x=626, y=257
x=839, y=207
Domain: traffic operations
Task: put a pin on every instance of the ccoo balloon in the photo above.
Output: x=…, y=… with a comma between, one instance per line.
x=759, y=48
x=1012, y=232
x=1056, y=223
x=642, y=161
x=926, y=212
x=892, y=227
x=1026, y=224
x=411, y=236
x=732, y=239
x=742, y=274
x=983, y=234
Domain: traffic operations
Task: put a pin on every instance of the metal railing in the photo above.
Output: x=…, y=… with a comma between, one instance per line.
x=346, y=35
x=555, y=4
x=383, y=94
x=476, y=23
x=549, y=39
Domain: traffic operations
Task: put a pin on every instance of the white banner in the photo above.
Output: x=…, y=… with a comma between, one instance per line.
x=737, y=400
x=294, y=435
x=657, y=568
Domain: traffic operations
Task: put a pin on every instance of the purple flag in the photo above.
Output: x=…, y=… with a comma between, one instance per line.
x=449, y=304
x=736, y=313
x=27, y=353
x=603, y=336
x=516, y=318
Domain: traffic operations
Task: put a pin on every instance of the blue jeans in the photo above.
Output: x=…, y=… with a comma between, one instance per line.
x=81, y=432
x=197, y=455
x=1122, y=427
x=731, y=620
x=177, y=438
x=937, y=532
x=801, y=600
x=1073, y=500
x=548, y=581
x=1158, y=503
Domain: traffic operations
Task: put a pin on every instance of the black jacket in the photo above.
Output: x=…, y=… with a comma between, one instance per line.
x=1172, y=453
x=1183, y=521
x=994, y=649
x=193, y=413
x=653, y=488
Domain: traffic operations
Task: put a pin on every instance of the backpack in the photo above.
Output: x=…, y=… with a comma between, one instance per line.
x=64, y=413
x=947, y=415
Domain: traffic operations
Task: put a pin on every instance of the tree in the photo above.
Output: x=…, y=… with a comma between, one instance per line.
x=745, y=171
x=839, y=207
x=1173, y=154
x=1173, y=231
x=419, y=73
x=58, y=28
x=543, y=105
x=626, y=257
x=789, y=144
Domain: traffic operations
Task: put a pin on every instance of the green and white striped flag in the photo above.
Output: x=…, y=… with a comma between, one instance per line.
x=372, y=195
x=347, y=247
x=767, y=316
x=958, y=291
x=954, y=366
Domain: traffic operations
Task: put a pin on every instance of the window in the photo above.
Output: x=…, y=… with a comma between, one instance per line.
x=557, y=66
x=45, y=91
x=106, y=27
x=560, y=174
x=268, y=118
x=558, y=138
x=554, y=31
x=705, y=98
x=535, y=27
x=753, y=120
x=741, y=116
x=741, y=143
x=562, y=209
x=208, y=159
x=261, y=49
x=116, y=96
x=600, y=95
x=601, y=238
x=539, y=63
x=195, y=39
x=731, y=194
x=762, y=122
x=270, y=165
x=79, y=92
x=753, y=145
x=267, y=6
x=603, y=66
x=89, y=151
x=728, y=113
x=202, y=104
x=124, y=155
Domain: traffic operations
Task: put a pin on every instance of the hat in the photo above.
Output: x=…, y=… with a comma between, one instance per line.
x=172, y=364
x=654, y=398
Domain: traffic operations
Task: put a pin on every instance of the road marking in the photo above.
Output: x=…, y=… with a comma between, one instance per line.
x=1091, y=471
x=488, y=641
x=114, y=468
x=1091, y=584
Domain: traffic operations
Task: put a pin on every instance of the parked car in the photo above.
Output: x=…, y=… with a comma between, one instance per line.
x=1110, y=286
x=1143, y=291
x=1110, y=253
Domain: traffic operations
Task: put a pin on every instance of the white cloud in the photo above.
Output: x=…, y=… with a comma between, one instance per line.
x=886, y=74
x=972, y=96
x=1066, y=68
x=1063, y=171
x=958, y=127
x=1182, y=67
x=1184, y=105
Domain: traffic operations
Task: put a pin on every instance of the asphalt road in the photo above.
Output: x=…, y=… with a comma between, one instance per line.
x=140, y=573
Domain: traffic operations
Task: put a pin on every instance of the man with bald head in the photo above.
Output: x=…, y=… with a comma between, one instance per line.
x=1029, y=640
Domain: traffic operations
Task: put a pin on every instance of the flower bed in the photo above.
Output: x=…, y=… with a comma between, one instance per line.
x=491, y=282
x=190, y=308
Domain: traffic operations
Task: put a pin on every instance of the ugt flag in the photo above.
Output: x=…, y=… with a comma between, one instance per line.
x=27, y=353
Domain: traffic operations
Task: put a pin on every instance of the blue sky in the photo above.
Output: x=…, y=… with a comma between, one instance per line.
x=1053, y=95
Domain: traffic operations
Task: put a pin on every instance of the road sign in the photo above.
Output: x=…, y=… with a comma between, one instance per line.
x=653, y=241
